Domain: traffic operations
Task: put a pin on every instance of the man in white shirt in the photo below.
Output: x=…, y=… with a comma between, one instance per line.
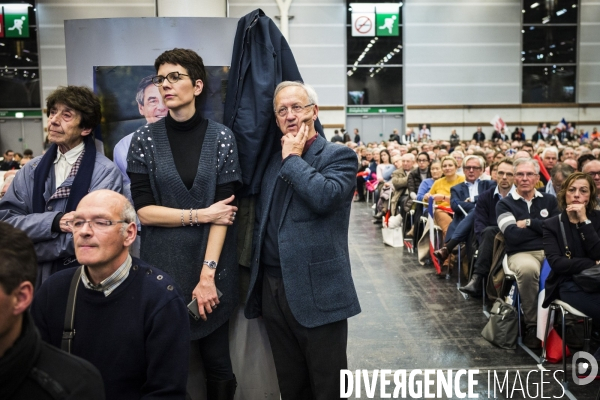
x=47, y=190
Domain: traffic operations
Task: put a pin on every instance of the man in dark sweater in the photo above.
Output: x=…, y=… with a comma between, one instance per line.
x=30, y=368
x=130, y=321
x=486, y=226
x=521, y=215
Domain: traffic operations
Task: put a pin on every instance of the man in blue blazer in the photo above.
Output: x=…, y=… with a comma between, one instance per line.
x=301, y=281
x=463, y=198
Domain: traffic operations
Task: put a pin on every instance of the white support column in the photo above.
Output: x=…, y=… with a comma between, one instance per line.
x=284, y=15
x=192, y=8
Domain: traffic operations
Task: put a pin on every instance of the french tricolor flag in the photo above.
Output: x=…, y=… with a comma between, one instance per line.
x=562, y=125
x=431, y=223
x=542, y=314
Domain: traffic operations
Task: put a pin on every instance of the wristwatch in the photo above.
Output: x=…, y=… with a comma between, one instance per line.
x=527, y=222
x=210, y=264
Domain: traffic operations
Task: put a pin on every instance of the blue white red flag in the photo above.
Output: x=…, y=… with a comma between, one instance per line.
x=432, y=232
x=542, y=314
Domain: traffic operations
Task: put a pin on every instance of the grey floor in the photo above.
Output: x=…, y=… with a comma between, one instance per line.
x=412, y=320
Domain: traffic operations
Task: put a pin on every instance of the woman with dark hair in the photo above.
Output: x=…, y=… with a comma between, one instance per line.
x=418, y=174
x=184, y=170
x=581, y=222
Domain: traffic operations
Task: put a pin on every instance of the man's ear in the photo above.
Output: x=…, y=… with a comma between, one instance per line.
x=130, y=234
x=23, y=296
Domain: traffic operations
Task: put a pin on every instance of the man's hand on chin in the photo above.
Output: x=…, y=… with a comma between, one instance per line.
x=291, y=144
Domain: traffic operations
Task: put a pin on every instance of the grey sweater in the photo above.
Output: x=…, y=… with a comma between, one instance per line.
x=180, y=251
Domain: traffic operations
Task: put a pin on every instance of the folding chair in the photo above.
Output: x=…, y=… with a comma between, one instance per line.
x=566, y=308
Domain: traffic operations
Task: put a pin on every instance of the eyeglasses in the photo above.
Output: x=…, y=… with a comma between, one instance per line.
x=527, y=175
x=422, y=160
x=100, y=224
x=472, y=168
x=594, y=173
x=172, y=77
x=507, y=174
x=296, y=109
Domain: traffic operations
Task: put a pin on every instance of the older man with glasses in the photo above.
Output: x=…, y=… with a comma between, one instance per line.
x=463, y=198
x=592, y=168
x=130, y=321
x=521, y=215
x=486, y=226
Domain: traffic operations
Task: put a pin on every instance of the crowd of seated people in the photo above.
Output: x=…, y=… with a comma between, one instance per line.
x=509, y=186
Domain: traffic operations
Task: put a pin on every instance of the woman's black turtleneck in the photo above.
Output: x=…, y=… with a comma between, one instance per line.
x=185, y=139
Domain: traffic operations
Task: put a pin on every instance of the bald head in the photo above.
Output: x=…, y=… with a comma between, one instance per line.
x=593, y=168
x=522, y=154
x=102, y=241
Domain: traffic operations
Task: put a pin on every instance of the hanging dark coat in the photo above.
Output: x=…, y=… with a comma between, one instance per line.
x=261, y=59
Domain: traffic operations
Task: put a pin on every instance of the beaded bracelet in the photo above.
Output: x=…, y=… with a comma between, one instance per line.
x=191, y=224
x=182, y=223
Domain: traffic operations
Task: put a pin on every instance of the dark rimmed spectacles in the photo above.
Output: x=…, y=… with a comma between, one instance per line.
x=296, y=109
x=472, y=168
x=172, y=77
x=99, y=224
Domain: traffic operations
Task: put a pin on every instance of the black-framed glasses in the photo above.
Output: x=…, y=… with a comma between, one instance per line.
x=99, y=224
x=172, y=77
x=472, y=168
x=296, y=109
x=422, y=160
x=594, y=173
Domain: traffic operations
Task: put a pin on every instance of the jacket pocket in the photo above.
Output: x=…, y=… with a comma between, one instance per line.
x=331, y=283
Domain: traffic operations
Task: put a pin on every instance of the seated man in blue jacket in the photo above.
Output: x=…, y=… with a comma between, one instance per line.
x=301, y=281
x=486, y=227
x=130, y=321
x=463, y=198
x=520, y=218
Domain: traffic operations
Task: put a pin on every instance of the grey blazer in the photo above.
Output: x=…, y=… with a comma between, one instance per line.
x=313, y=234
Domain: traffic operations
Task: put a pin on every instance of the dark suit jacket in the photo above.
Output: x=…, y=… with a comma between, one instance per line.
x=313, y=234
x=554, y=247
x=459, y=193
x=485, y=212
x=480, y=137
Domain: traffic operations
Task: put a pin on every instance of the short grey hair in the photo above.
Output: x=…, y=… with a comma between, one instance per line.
x=410, y=156
x=474, y=157
x=530, y=161
x=564, y=169
x=127, y=214
x=310, y=92
x=550, y=149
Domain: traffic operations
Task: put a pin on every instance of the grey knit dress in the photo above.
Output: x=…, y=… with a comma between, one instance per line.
x=180, y=251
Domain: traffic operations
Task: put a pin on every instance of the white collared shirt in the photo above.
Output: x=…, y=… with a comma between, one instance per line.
x=473, y=189
x=64, y=163
x=517, y=196
x=511, y=191
x=108, y=285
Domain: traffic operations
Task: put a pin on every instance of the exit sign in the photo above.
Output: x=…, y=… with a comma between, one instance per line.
x=14, y=21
